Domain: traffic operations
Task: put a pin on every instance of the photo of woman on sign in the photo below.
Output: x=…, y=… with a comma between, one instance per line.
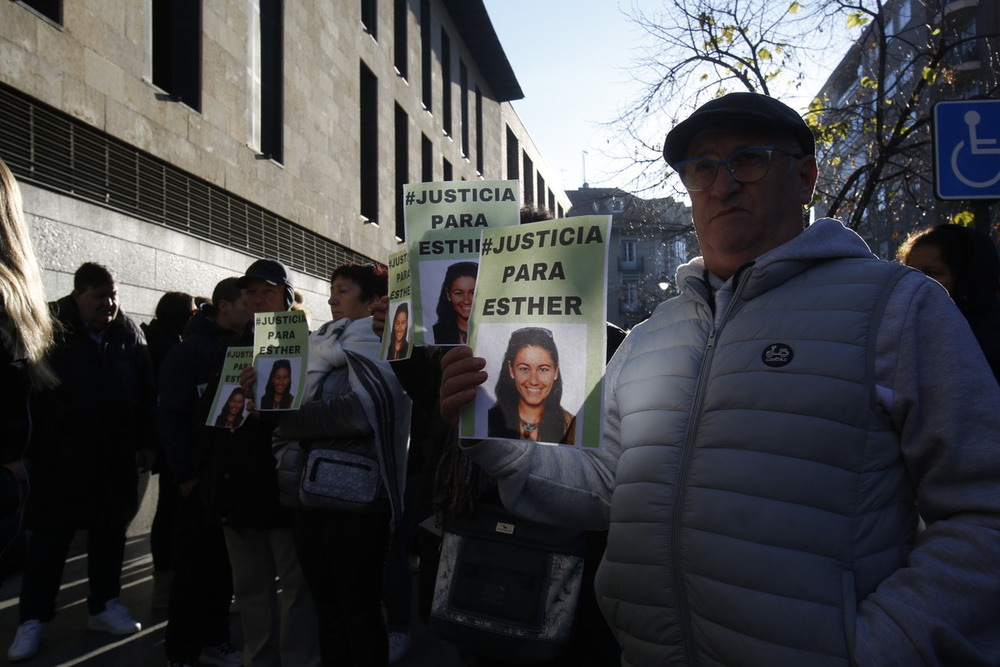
x=399, y=344
x=455, y=304
x=231, y=415
x=529, y=391
x=276, y=394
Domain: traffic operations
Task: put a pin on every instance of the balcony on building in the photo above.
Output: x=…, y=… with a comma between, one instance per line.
x=958, y=12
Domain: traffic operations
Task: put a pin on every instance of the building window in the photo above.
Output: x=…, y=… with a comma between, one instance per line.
x=176, y=49
x=50, y=9
x=541, y=190
x=369, y=17
x=479, y=131
x=463, y=81
x=400, y=23
x=552, y=202
x=529, y=181
x=425, y=54
x=630, y=295
x=264, y=67
x=448, y=173
x=426, y=160
x=402, y=165
x=369, y=144
x=445, y=82
x=513, y=155
x=629, y=259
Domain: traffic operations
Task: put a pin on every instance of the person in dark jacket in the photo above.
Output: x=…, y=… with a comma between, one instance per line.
x=237, y=477
x=965, y=262
x=84, y=471
x=201, y=589
x=173, y=312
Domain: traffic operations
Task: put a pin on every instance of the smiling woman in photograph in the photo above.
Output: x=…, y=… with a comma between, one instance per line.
x=529, y=391
x=276, y=394
x=455, y=304
x=231, y=415
x=399, y=346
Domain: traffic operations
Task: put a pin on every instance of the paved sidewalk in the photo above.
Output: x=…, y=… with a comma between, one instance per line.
x=68, y=642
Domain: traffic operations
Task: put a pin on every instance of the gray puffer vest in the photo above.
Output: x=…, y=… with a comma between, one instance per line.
x=760, y=492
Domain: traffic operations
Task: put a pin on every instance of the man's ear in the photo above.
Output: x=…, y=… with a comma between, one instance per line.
x=808, y=173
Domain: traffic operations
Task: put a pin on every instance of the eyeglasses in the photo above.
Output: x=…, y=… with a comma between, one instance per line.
x=746, y=166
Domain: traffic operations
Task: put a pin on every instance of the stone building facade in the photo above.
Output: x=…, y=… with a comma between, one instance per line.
x=178, y=140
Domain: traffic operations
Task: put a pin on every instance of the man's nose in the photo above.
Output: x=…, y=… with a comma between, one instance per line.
x=724, y=182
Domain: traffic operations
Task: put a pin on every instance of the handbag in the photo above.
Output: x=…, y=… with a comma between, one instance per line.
x=507, y=586
x=340, y=475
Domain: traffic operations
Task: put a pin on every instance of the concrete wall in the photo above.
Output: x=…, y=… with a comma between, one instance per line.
x=148, y=259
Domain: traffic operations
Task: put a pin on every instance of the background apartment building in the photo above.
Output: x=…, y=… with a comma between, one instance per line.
x=650, y=238
x=178, y=140
x=919, y=52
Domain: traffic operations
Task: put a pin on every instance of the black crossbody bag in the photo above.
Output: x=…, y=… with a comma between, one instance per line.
x=507, y=586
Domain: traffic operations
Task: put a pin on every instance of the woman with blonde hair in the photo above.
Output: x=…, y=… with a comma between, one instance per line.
x=26, y=324
x=25, y=337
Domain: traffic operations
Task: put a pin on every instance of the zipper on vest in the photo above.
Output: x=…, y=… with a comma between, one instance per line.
x=682, y=470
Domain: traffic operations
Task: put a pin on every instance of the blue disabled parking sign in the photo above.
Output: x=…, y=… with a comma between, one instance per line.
x=967, y=149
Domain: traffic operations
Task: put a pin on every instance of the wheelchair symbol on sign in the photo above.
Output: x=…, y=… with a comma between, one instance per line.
x=977, y=146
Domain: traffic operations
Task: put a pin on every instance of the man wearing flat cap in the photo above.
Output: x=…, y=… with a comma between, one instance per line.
x=241, y=488
x=775, y=434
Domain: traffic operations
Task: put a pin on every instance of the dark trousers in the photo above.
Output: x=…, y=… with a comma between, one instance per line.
x=202, y=587
x=161, y=533
x=398, y=594
x=342, y=555
x=46, y=558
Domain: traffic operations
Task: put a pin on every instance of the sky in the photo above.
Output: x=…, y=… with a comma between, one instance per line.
x=572, y=59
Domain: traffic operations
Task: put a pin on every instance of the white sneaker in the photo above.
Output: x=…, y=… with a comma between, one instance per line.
x=25, y=644
x=399, y=644
x=224, y=655
x=115, y=619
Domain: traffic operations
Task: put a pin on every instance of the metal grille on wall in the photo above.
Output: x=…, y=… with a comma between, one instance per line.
x=49, y=149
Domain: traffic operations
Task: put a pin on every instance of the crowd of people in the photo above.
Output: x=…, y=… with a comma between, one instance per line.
x=799, y=459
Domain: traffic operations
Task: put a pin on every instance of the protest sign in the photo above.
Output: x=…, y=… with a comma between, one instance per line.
x=443, y=224
x=281, y=348
x=539, y=321
x=397, y=337
x=229, y=405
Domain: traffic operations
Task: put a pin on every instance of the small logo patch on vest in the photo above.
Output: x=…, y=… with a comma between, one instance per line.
x=777, y=355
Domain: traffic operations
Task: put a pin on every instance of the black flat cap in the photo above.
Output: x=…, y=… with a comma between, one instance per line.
x=737, y=109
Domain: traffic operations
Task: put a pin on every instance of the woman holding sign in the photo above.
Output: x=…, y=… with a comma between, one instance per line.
x=355, y=418
x=529, y=392
x=455, y=304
